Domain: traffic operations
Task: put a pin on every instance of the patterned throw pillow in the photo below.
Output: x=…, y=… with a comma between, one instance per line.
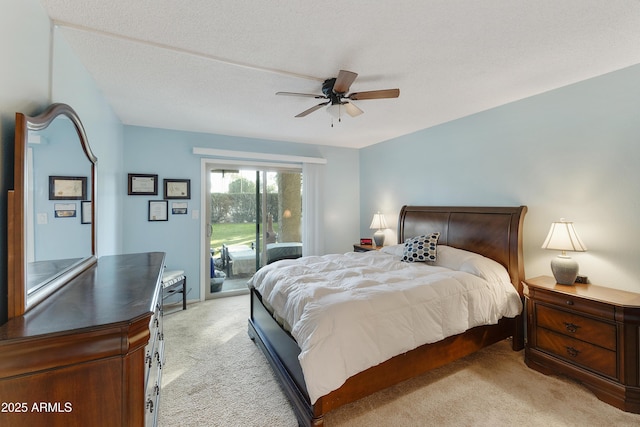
x=421, y=248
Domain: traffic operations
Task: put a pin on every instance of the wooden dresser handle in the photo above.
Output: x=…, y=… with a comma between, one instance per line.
x=571, y=327
x=569, y=302
x=572, y=352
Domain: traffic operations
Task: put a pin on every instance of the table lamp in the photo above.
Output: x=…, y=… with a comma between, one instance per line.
x=563, y=237
x=378, y=223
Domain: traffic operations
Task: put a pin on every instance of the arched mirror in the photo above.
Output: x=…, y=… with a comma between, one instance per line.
x=52, y=206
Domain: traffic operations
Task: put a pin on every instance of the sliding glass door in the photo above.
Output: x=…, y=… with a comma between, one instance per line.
x=254, y=218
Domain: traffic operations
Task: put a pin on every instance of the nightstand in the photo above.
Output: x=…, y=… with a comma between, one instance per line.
x=589, y=333
x=366, y=248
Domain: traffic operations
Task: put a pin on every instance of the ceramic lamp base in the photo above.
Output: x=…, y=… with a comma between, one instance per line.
x=565, y=269
x=378, y=238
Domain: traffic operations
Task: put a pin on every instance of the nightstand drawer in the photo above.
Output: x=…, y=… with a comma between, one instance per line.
x=606, y=311
x=583, y=328
x=578, y=352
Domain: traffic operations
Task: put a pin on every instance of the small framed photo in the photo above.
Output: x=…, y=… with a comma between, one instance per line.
x=179, y=208
x=67, y=187
x=158, y=210
x=177, y=188
x=142, y=184
x=64, y=210
x=86, y=212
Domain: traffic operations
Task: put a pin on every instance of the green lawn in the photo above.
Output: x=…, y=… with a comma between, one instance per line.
x=234, y=234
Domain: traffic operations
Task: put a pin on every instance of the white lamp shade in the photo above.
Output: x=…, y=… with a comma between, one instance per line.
x=563, y=237
x=378, y=222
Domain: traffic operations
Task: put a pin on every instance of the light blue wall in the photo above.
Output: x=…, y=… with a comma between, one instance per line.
x=572, y=152
x=169, y=154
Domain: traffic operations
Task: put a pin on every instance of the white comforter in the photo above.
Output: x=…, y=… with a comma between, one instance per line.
x=353, y=311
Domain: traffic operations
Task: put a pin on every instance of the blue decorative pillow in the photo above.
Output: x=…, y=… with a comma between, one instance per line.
x=421, y=248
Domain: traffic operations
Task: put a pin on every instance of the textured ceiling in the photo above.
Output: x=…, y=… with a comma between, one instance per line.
x=215, y=65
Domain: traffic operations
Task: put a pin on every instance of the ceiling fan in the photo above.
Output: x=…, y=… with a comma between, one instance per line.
x=335, y=92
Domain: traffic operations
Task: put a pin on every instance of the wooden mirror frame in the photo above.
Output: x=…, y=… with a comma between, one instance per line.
x=18, y=303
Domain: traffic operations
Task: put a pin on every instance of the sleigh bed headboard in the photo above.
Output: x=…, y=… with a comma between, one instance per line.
x=495, y=232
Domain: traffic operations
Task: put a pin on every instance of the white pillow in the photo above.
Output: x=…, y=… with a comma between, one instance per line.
x=395, y=250
x=470, y=262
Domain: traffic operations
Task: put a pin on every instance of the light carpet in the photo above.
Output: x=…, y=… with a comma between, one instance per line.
x=216, y=376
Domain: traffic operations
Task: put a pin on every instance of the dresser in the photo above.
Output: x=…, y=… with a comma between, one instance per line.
x=589, y=333
x=91, y=354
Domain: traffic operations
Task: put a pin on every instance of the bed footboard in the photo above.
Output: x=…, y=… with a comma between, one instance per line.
x=281, y=351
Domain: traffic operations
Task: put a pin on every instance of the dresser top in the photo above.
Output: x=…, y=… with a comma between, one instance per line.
x=116, y=289
x=589, y=291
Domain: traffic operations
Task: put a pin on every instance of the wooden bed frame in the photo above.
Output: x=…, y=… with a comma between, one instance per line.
x=495, y=232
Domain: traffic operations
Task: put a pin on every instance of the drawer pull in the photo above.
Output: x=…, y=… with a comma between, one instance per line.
x=571, y=327
x=569, y=302
x=572, y=352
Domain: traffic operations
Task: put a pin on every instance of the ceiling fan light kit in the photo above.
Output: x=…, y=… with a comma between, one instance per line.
x=335, y=92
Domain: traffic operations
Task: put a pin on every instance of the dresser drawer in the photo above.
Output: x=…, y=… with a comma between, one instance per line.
x=152, y=393
x=578, y=352
x=154, y=360
x=580, y=327
x=602, y=310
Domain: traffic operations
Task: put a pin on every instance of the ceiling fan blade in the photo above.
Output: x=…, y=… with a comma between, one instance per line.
x=352, y=110
x=312, y=109
x=343, y=81
x=375, y=94
x=308, y=95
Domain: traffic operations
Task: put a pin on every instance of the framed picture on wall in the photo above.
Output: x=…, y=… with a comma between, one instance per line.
x=179, y=208
x=85, y=212
x=64, y=210
x=177, y=188
x=158, y=210
x=141, y=184
x=67, y=187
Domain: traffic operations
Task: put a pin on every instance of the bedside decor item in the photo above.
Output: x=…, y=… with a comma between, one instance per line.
x=378, y=223
x=563, y=237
